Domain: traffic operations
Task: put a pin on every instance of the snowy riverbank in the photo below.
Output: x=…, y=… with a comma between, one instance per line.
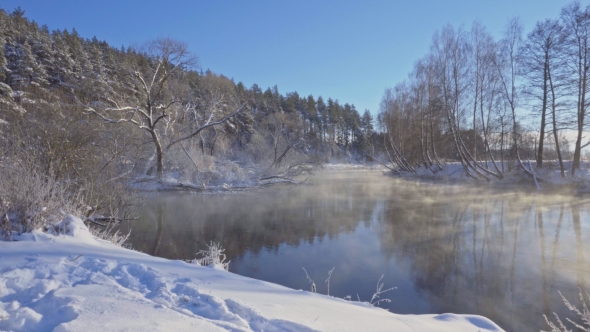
x=74, y=282
x=547, y=178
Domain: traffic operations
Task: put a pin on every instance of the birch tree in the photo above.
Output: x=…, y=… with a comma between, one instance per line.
x=576, y=21
x=486, y=87
x=542, y=66
x=451, y=53
x=507, y=63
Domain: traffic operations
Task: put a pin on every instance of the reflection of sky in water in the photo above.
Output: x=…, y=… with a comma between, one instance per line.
x=358, y=265
x=446, y=248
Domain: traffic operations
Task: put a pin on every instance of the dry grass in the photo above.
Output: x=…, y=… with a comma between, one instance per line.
x=31, y=200
x=583, y=315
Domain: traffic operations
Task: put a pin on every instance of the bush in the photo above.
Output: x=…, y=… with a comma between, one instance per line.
x=31, y=200
x=213, y=257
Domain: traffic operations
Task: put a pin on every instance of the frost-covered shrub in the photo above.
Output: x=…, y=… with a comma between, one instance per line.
x=32, y=200
x=70, y=225
x=213, y=256
x=583, y=315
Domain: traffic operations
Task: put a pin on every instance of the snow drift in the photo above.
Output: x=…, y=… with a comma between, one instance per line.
x=71, y=281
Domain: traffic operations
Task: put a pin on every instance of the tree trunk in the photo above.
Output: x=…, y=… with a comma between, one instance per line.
x=554, y=118
x=581, y=109
x=159, y=155
x=543, y=112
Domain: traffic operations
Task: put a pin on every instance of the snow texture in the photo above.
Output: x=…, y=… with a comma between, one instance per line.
x=70, y=281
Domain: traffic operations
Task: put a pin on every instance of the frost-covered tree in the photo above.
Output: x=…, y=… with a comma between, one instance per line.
x=157, y=106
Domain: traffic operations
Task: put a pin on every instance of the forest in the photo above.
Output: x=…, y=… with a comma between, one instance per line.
x=98, y=140
x=492, y=104
x=81, y=120
x=85, y=117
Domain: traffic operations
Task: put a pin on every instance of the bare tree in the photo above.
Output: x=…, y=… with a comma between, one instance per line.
x=576, y=21
x=394, y=114
x=506, y=63
x=542, y=66
x=486, y=87
x=451, y=52
x=156, y=107
x=434, y=105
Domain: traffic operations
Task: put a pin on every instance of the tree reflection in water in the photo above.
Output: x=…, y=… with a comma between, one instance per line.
x=447, y=248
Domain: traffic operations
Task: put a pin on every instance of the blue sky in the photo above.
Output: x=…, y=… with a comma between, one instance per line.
x=346, y=50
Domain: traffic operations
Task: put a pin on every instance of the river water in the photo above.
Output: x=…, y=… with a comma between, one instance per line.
x=447, y=248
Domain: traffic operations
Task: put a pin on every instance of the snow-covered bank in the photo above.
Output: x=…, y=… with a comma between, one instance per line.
x=75, y=282
x=172, y=182
x=348, y=167
x=548, y=177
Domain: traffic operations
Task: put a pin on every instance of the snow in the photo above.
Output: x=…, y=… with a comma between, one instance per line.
x=71, y=281
x=351, y=166
x=549, y=175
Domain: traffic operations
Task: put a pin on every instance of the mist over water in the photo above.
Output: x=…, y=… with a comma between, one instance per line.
x=447, y=248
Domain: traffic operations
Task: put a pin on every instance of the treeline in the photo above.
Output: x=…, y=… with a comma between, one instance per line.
x=40, y=69
x=471, y=98
x=82, y=113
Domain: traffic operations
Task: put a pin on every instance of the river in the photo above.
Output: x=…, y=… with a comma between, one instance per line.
x=447, y=248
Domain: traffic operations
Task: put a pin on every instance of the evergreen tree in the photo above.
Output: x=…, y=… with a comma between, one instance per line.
x=367, y=124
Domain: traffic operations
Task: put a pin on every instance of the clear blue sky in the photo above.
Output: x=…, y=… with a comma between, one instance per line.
x=346, y=50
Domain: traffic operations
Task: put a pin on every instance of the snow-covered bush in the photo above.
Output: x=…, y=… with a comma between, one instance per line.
x=72, y=226
x=213, y=256
x=32, y=200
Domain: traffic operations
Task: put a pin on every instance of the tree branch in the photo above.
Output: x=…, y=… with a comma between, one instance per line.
x=205, y=126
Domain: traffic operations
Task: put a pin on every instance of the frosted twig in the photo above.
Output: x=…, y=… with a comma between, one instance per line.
x=375, y=298
x=328, y=280
x=583, y=315
x=312, y=283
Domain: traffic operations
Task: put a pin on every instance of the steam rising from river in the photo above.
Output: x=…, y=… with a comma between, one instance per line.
x=448, y=248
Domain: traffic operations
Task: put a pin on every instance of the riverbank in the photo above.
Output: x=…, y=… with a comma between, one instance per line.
x=73, y=282
x=546, y=179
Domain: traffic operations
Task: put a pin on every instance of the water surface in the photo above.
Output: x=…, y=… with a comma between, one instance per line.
x=447, y=248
